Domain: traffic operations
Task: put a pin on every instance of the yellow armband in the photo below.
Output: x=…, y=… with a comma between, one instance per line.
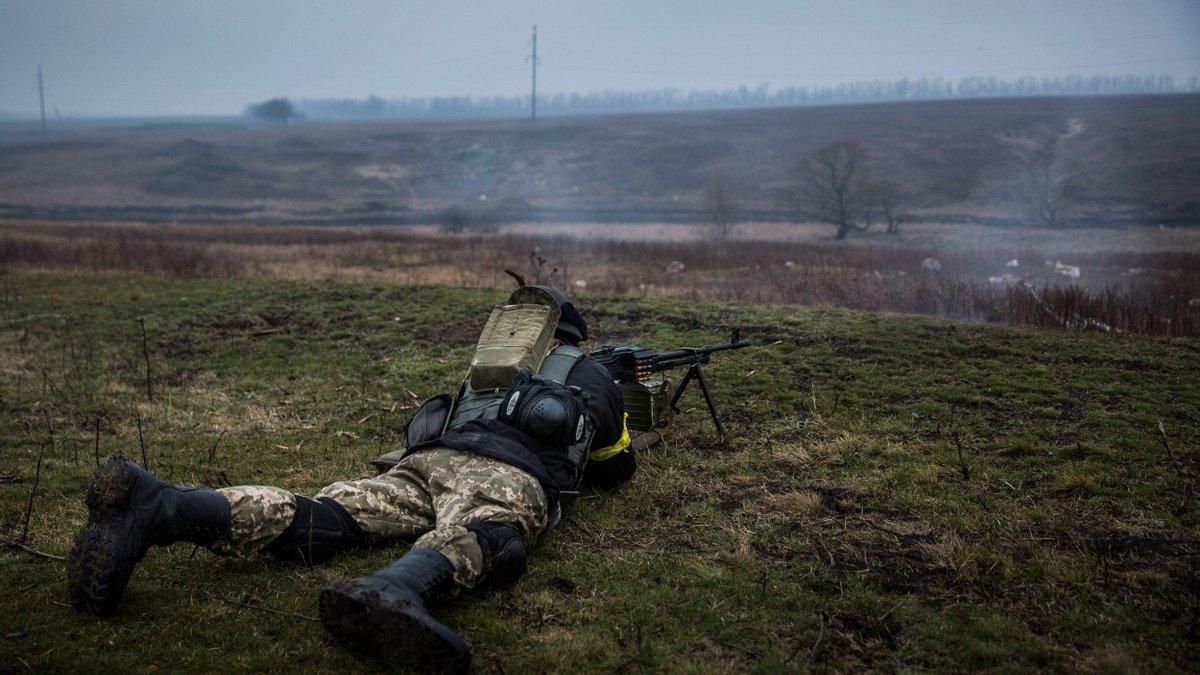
x=617, y=448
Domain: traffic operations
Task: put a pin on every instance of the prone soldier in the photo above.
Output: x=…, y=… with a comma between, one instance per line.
x=484, y=474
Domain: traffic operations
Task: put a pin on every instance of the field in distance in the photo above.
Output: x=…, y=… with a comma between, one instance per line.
x=1128, y=160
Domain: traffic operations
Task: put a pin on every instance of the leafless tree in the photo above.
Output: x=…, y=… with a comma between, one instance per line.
x=454, y=219
x=1043, y=183
x=721, y=206
x=836, y=187
x=1046, y=172
x=891, y=206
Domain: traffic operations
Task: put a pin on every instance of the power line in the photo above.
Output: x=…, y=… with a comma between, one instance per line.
x=825, y=73
x=939, y=20
x=574, y=47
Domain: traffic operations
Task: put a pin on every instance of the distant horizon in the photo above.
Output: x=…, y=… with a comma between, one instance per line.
x=1190, y=86
x=156, y=57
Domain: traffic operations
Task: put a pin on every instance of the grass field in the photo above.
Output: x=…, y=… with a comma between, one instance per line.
x=896, y=493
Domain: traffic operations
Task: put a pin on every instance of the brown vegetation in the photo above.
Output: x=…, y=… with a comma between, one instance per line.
x=1155, y=293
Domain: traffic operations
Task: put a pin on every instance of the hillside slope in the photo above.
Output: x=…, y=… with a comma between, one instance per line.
x=896, y=493
x=1131, y=159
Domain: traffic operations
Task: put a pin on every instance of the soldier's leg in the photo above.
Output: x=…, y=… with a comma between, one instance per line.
x=130, y=510
x=290, y=527
x=484, y=510
x=488, y=512
x=393, y=505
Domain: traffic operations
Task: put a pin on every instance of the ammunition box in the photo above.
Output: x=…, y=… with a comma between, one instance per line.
x=648, y=405
x=516, y=337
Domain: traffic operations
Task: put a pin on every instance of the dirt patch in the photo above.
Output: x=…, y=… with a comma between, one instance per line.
x=460, y=333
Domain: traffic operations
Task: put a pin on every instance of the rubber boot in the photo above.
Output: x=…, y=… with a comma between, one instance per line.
x=129, y=510
x=388, y=613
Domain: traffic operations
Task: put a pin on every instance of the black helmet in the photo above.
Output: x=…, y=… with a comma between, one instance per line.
x=572, y=329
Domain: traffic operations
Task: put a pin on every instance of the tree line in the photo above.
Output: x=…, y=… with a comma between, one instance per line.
x=762, y=96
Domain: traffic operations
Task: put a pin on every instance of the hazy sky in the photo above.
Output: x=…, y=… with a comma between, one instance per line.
x=214, y=56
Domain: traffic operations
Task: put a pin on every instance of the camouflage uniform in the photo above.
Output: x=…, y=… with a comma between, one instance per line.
x=429, y=496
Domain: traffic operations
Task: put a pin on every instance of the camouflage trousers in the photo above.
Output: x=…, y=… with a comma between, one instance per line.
x=430, y=496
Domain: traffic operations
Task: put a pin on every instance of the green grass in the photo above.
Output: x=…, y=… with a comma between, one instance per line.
x=836, y=530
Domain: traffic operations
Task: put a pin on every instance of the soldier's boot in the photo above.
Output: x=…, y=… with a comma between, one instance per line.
x=319, y=528
x=129, y=510
x=387, y=613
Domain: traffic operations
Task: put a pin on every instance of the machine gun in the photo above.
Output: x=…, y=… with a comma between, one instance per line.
x=633, y=365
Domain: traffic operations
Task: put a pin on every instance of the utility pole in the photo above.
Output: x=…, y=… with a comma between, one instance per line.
x=42, y=98
x=533, y=89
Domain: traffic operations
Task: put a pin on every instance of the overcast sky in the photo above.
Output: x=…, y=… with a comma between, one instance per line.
x=213, y=56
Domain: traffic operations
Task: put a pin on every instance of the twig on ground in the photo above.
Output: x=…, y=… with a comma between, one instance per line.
x=49, y=430
x=958, y=445
x=141, y=440
x=276, y=612
x=889, y=612
x=816, y=645
x=962, y=462
x=744, y=650
x=18, y=546
x=212, y=452
x=96, y=446
x=146, y=357
x=1189, y=483
x=37, y=477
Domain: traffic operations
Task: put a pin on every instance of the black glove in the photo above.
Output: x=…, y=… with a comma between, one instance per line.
x=549, y=412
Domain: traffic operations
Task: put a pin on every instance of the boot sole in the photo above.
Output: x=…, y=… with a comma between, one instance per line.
x=364, y=618
x=102, y=561
x=109, y=489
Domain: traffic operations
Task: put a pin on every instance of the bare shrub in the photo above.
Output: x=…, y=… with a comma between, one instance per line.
x=454, y=219
x=1046, y=176
x=1162, y=299
x=891, y=206
x=721, y=207
x=1042, y=185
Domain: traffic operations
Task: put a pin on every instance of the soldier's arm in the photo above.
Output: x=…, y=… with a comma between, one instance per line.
x=611, y=462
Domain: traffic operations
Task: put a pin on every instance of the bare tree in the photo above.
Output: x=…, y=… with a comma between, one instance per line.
x=837, y=187
x=1044, y=172
x=1043, y=183
x=891, y=206
x=721, y=206
x=454, y=219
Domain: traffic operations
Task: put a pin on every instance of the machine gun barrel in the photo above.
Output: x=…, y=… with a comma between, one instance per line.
x=687, y=354
x=633, y=364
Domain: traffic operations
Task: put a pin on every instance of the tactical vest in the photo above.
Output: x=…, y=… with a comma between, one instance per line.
x=471, y=404
x=518, y=337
